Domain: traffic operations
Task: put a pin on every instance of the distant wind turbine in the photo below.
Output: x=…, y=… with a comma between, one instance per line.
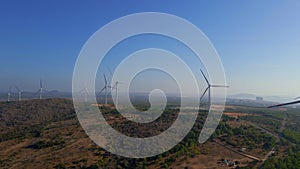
x=106, y=86
x=9, y=94
x=86, y=93
x=40, y=91
x=208, y=88
x=115, y=86
x=19, y=93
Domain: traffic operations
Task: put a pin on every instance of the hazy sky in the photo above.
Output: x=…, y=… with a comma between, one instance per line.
x=258, y=41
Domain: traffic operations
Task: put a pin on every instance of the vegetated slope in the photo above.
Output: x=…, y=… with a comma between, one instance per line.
x=42, y=134
x=20, y=119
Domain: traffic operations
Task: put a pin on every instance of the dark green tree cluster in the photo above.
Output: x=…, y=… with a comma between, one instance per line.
x=292, y=161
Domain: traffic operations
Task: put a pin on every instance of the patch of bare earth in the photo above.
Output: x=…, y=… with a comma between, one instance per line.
x=236, y=115
x=212, y=158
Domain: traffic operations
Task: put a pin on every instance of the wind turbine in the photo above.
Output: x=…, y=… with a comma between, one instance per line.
x=86, y=93
x=208, y=88
x=19, y=93
x=115, y=87
x=40, y=91
x=104, y=88
x=9, y=94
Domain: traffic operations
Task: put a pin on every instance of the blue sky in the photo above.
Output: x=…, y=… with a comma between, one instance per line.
x=258, y=42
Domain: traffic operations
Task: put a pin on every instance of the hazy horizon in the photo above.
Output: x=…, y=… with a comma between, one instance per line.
x=68, y=94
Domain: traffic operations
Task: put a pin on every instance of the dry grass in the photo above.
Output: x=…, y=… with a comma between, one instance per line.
x=236, y=115
x=73, y=151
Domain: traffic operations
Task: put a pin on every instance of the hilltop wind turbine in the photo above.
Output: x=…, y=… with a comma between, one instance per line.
x=208, y=88
x=19, y=93
x=9, y=94
x=40, y=91
x=115, y=87
x=104, y=89
x=86, y=93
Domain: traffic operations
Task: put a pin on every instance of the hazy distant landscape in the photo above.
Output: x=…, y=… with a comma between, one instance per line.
x=68, y=95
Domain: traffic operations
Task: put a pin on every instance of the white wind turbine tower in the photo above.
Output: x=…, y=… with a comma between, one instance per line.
x=116, y=88
x=208, y=88
x=86, y=93
x=19, y=93
x=9, y=94
x=40, y=91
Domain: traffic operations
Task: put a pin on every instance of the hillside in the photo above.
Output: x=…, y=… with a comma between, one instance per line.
x=42, y=134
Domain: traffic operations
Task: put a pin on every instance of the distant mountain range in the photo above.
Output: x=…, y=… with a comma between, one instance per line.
x=266, y=98
x=242, y=96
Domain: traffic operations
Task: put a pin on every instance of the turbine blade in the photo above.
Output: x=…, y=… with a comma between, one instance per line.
x=209, y=99
x=101, y=91
x=219, y=86
x=17, y=88
x=37, y=92
x=203, y=94
x=118, y=83
x=41, y=84
x=284, y=104
x=49, y=93
x=205, y=77
x=105, y=81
